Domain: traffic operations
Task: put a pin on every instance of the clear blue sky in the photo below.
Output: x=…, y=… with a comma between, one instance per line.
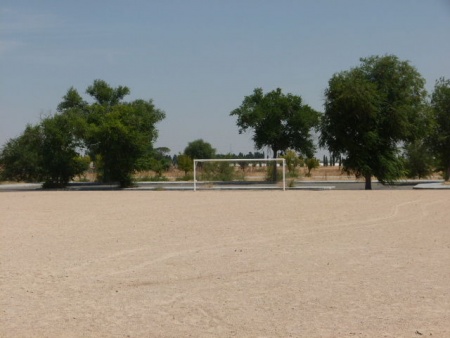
x=197, y=59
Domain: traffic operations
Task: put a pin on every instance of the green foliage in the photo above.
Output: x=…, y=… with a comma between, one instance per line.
x=439, y=138
x=119, y=134
x=159, y=161
x=61, y=161
x=311, y=163
x=185, y=163
x=292, y=162
x=224, y=171
x=279, y=121
x=156, y=160
x=82, y=164
x=72, y=100
x=157, y=178
x=369, y=110
x=21, y=157
x=104, y=94
x=46, y=152
x=199, y=149
x=160, y=165
x=218, y=171
x=119, y=145
x=249, y=155
x=270, y=176
x=418, y=160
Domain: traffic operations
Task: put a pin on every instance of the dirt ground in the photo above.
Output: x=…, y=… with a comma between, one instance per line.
x=225, y=264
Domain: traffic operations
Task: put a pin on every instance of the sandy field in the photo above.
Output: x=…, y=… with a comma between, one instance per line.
x=225, y=264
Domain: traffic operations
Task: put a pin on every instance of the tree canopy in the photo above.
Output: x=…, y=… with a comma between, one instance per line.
x=377, y=121
x=115, y=133
x=104, y=94
x=199, y=149
x=21, y=158
x=185, y=163
x=279, y=121
x=46, y=152
x=439, y=139
x=60, y=160
x=369, y=110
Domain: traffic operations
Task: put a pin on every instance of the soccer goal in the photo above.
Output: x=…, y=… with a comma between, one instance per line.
x=230, y=173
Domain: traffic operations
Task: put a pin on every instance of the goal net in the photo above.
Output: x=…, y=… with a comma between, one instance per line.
x=239, y=173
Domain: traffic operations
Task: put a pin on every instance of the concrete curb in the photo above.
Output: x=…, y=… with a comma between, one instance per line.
x=432, y=186
x=188, y=186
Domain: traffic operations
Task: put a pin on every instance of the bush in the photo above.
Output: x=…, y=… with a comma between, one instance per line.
x=269, y=174
x=217, y=171
x=185, y=163
x=311, y=163
x=292, y=162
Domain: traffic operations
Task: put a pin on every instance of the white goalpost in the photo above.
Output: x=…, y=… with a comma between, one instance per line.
x=238, y=160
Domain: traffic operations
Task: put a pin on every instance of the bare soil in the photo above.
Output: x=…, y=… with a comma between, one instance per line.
x=225, y=264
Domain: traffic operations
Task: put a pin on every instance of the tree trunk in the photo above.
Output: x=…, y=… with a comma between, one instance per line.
x=368, y=178
x=274, y=174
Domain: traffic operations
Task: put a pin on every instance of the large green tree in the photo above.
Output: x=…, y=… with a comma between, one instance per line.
x=279, y=121
x=200, y=149
x=59, y=149
x=439, y=140
x=21, y=158
x=369, y=111
x=45, y=153
x=117, y=134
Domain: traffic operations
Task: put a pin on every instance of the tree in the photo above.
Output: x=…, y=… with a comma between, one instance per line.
x=161, y=161
x=71, y=100
x=418, y=160
x=185, y=163
x=116, y=133
x=292, y=162
x=21, y=158
x=369, y=111
x=278, y=121
x=60, y=159
x=199, y=149
x=46, y=152
x=311, y=163
x=105, y=95
x=439, y=140
x=123, y=137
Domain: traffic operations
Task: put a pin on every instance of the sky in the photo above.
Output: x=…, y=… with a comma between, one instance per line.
x=198, y=59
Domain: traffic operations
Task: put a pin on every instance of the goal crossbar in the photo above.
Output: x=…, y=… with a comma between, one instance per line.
x=237, y=160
